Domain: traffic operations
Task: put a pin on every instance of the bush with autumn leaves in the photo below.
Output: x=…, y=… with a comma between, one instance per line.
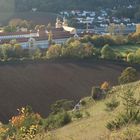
x=23, y=126
x=27, y=124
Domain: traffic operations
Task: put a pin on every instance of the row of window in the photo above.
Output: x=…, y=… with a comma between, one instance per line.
x=19, y=36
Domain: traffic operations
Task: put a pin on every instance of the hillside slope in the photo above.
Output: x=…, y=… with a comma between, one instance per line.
x=59, y=5
x=40, y=84
x=7, y=8
x=94, y=126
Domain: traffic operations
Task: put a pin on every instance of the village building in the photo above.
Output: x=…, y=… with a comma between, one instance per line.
x=60, y=33
x=29, y=39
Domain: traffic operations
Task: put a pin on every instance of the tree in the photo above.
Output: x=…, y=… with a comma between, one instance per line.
x=36, y=54
x=86, y=50
x=108, y=53
x=128, y=75
x=15, y=22
x=137, y=56
x=10, y=29
x=7, y=51
x=96, y=93
x=50, y=37
x=72, y=49
x=18, y=50
x=112, y=29
x=54, y=51
x=131, y=58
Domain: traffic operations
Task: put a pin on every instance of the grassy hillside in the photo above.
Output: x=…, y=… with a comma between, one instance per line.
x=93, y=127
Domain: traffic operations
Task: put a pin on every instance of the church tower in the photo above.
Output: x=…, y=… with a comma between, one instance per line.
x=58, y=23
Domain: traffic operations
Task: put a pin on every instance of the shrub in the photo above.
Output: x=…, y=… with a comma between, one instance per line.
x=35, y=54
x=62, y=105
x=83, y=102
x=58, y=120
x=105, y=86
x=23, y=126
x=131, y=113
x=101, y=40
x=131, y=57
x=112, y=104
x=96, y=93
x=77, y=114
x=123, y=119
x=108, y=53
x=128, y=75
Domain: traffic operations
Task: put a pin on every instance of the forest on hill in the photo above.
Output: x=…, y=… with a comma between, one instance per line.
x=120, y=6
x=58, y=5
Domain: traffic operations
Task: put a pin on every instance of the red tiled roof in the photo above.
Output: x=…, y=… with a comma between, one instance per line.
x=57, y=34
x=15, y=33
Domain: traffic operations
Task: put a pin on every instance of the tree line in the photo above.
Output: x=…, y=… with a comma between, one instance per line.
x=59, y=5
x=97, y=46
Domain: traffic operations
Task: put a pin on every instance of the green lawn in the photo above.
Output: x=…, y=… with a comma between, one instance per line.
x=124, y=48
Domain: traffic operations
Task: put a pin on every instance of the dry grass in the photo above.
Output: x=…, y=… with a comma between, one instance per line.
x=93, y=128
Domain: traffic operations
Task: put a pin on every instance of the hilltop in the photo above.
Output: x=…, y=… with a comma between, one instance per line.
x=58, y=5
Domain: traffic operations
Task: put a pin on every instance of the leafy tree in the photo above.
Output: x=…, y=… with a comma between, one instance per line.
x=54, y=51
x=131, y=58
x=18, y=50
x=72, y=49
x=108, y=53
x=10, y=29
x=86, y=50
x=137, y=56
x=7, y=51
x=96, y=93
x=128, y=75
x=15, y=22
x=101, y=40
x=36, y=54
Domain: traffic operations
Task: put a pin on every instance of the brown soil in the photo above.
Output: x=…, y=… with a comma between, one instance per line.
x=40, y=84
